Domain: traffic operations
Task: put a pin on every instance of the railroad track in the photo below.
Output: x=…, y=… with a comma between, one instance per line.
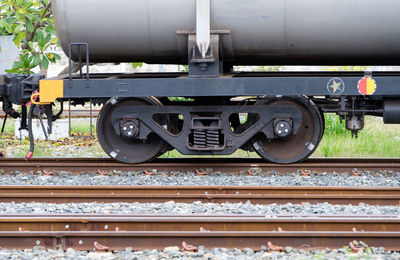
x=232, y=231
x=227, y=165
x=188, y=194
x=143, y=232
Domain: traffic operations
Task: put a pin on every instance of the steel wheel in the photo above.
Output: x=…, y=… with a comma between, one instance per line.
x=294, y=148
x=121, y=148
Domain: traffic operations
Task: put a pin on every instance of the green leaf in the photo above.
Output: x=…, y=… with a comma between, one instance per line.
x=8, y=28
x=30, y=16
x=17, y=39
x=18, y=27
x=31, y=46
x=50, y=29
x=45, y=62
x=54, y=41
x=136, y=65
x=25, y=60
x=36, y=61
x=56, y=56
x=29, y=25
x=47, y=39
x=40, y=39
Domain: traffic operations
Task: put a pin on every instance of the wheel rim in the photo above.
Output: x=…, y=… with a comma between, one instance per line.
x=296, y=147
x=121, y=148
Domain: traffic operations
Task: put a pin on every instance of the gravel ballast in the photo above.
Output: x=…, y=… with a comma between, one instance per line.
x=367, y=179
x=203, y=253
x=197, y=208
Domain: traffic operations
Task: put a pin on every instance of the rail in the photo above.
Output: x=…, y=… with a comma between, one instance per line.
x=143, y=232
x=228, y=165
x=211, y=194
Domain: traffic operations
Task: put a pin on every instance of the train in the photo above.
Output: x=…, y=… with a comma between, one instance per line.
x=212, y=108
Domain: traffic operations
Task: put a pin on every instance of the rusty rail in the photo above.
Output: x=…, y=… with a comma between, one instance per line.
x=106, y=223
x=189, y=194
x=228, y=165
x=144, y=232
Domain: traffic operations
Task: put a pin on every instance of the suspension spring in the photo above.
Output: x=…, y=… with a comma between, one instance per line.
x=212, y=138
x=200, y=138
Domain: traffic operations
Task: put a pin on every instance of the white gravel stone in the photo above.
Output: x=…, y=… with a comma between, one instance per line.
x=213, y=253
x=171, y=249
x=367, y=179
x=171, y=207
x=101, y=256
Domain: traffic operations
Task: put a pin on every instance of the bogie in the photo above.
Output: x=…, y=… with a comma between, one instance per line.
x=137, y=130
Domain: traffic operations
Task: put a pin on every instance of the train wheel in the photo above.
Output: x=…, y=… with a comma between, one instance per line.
x=294, y=148
x=128, y=150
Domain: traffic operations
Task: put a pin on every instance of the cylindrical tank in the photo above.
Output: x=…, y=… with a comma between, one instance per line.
x=288, y=32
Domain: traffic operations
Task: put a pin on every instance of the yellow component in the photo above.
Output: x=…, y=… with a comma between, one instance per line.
x=33, y=98
x=50, y=90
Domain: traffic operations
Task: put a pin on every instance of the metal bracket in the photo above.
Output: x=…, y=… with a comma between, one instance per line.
x=210, y=65
x=368, y=73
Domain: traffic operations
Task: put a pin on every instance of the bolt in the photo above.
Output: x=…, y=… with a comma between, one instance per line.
x=37, y=242
x=67, y=226
x=129, y=129
x=282, y=129
x=80, y=242
x=106, y=227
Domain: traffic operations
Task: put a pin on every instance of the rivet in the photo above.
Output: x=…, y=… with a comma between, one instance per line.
x=67, y=226
x=106, y=227
x=80, y=242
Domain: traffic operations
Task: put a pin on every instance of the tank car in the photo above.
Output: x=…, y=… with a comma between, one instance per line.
x=279, y=115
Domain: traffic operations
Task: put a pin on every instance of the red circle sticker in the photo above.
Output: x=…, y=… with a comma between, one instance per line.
x=366, y=86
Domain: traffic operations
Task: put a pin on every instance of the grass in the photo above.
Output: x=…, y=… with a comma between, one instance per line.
x=376, y=140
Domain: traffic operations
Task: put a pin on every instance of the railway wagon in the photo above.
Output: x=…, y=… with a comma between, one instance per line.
x=279, y=115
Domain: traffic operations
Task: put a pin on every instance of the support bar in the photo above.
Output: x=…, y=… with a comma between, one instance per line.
x=203, y=25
